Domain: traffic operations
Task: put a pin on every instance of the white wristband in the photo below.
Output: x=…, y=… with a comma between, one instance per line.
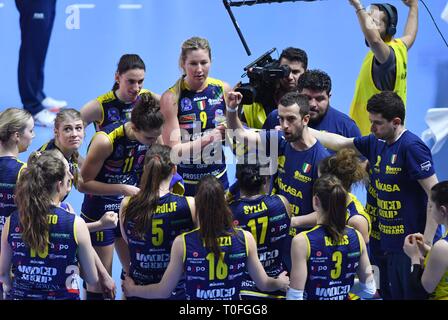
x=294, y=294
x=231, y=110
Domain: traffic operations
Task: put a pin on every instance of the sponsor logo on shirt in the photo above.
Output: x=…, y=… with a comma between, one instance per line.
x=187, y=118
x=425, y=166
x=185, y=105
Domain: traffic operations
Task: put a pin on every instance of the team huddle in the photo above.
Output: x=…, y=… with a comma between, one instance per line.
x=156, y=189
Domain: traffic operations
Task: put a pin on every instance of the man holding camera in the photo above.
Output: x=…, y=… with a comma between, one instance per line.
x=385, y=66
x=268, y=97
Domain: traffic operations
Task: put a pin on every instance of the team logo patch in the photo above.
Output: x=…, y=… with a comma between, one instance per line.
x=187, y=126
x=201, y=105
x=306, y=167
x=393, y=159
x=113, y=114
x=319, y=253
x=425, y=166
x=195, y=254
x=185, y=105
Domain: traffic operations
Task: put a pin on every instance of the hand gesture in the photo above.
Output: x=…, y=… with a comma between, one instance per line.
x=109, y=220
x=410, y=247
x=108, y=287
x=410, y=3
x=233, y=99
x=284, y=280
x=127, y=286
x=355, y=3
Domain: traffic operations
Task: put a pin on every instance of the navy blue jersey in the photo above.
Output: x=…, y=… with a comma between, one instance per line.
x=197, y=113
x=331, y=265
x=266, y=217
x=72, y=161
x=233, y=193
x=372, y=210
x=297, y=171
x=209, y=278
x=401, y=201
x=10, y=168
x=272, y=120
x=123, y=166
x=114, y=110
x=49, y=275
x=150, y=255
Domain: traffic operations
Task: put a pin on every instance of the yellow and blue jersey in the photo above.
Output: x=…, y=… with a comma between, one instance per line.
x=296, y=173
x=49, y=275
x=123, y=166
x=113, y=109
x=441, y=291
x=150, y=256
x=10, y=168
x=266, y=217
x=331, y=264
x=401, y=201
x=196, y=114
x=355, y=208
x=211, y=278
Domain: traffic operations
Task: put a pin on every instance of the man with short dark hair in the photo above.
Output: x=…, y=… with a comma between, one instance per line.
x=402, y=175
x=316, y=85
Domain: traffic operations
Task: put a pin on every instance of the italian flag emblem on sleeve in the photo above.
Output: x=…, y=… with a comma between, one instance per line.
x=393, y=159
x=201, y=105
x=306, y=167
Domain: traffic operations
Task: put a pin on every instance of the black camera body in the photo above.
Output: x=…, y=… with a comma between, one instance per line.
x=262, y=74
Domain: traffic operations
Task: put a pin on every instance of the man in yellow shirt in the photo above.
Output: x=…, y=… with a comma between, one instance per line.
x=385, y=65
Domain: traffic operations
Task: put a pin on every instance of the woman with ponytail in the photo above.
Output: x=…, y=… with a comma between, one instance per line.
x=213, y=257
x=117, y=104
x=16, y=135
x=268, y=218
x=326, y=258
x=42, y=243
x=151, y=220
x=347, y=167
x=112, y=170
x=196, y=104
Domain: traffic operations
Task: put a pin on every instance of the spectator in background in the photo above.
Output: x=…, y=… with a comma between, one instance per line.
x=36, y=23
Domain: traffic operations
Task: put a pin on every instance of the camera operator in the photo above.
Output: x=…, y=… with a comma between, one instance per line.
x=268, y=95
x=385, y=66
